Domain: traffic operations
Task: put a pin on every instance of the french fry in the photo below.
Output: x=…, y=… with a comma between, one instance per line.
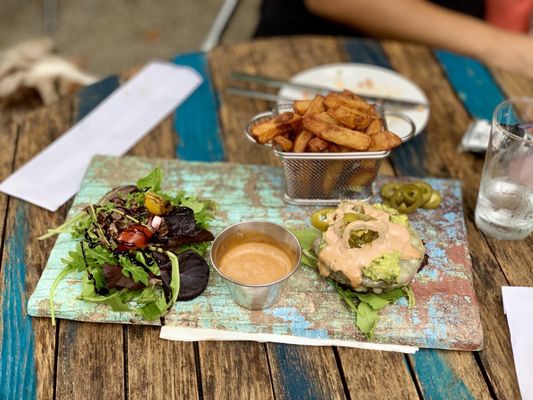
x=283, y=123
x=301, y=106
x=374, y=126
x=334, y=100
x=336, y=134
x=301, y=140
x=316, y=106
x=332, y=174
x=361, y=177
x=352, y=118
x=317, y=145
x=384, y=140
x=326, y=117
x=283, y=143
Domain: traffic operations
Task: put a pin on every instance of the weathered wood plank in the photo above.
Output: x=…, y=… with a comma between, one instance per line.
x=159, y=369
x=449, y=120
x=90, y=361
x=234, y=370
x=86, y=366
x=364, y=371
x=300, y=372
x=196, y=120
x=28, y=343
x=8, y=138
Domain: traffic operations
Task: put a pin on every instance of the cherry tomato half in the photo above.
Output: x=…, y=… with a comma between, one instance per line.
x=134, y=236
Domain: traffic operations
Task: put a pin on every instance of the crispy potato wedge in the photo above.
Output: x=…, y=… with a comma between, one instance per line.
x=352, y=118
x=332, y=174
x=317, y=145
x=334, y=100
x=337, y=134
x=301, y=106
x=282, y=143
x=301, y=140
x=283, y=123
x=362, y=177
x=374, y=126
x=316, y=106
x=384, y=140
x=326, y=117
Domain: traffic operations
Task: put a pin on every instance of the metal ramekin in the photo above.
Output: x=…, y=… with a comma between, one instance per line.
x=260, y=296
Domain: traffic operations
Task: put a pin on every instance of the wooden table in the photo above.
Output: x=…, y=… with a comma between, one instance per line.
x=104, y=361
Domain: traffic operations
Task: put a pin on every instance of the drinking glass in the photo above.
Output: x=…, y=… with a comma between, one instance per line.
x=504, y=208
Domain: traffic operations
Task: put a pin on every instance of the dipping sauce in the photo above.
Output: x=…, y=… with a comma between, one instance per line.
x=253, y=258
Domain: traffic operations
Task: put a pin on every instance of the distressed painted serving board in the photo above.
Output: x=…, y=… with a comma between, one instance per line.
x=445, y=316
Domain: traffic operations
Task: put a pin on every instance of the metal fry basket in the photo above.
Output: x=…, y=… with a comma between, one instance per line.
x=324, y=178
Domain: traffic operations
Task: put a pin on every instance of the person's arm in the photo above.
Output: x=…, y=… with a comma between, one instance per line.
x=422, y=22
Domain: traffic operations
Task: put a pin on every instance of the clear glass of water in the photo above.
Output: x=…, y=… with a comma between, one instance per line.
x=504, y=208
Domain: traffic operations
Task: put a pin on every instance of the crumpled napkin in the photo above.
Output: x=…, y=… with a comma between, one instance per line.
x=32, y=65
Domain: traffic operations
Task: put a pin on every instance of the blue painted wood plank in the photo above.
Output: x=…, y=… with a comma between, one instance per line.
x=436, y=379
x=472, y=82
x=408, y=158
x=17, y=362
x=196, y=119
x=296, y=379
x=90, y=96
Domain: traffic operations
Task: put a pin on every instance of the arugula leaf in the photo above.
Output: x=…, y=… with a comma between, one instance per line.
x=367, y=319
x=66, y=226
x=136, y=272
x=152, y=181
x=99, y=255
x=309, y=259
x=153, y=267
x=117, y=300
x=378, y=301
x=154, y=309
x=175, y=281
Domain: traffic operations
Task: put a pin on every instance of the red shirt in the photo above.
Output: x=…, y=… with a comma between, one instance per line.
x=511, y=15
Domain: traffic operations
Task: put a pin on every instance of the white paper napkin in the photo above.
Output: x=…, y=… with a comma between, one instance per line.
x=55, y=174
x=202, y=334
x=518, y=305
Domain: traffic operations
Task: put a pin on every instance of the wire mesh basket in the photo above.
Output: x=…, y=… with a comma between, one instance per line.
x=325, y=178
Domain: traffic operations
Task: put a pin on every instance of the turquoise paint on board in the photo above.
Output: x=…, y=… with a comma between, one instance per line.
x=16, y=336
x=196, y=119
x=437, y=380
x=472, y=82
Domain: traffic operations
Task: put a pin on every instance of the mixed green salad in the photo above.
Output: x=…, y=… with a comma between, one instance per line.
x=139, y=249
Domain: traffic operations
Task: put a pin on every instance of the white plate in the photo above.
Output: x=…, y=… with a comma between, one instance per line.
x=365, y=79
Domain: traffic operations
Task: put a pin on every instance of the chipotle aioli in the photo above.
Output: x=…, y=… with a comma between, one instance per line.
x=256, y=262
